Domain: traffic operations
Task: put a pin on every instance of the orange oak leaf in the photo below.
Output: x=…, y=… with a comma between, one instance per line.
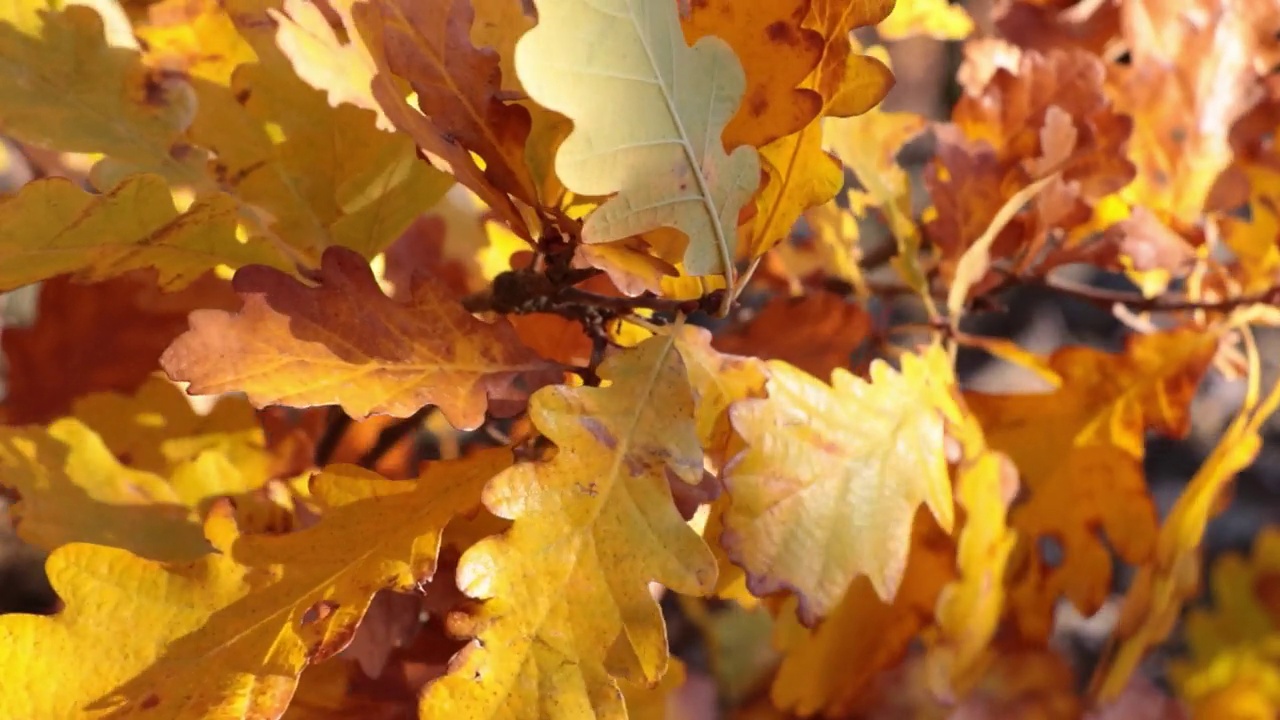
x=1154, y=602
x=429, y=45
x=240, y=624
x=1045, y=115
x=817, y=332
x=832, y=476
x=776, y=53
x=800, y=174
x=1079, y=451
x=96, y=337
x=566, y=596
x=343, y=342
x=831, y=669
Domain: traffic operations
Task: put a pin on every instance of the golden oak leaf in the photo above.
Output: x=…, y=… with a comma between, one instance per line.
x=238, y=625
x=91, y=338
x=156, y=429
x=428, y=44
x=72, y=489
x=1232, y=646
x=1079, y=452
x=832, y=475
x=933, y=18
x=817, y=332
x=718, y=381
x=868, y=145
x=800, y=176
x=655, y=703
x=343, y=342
x=66, y=88
x=969, y=609
x=776, y=53
x=1153, y=604
x=52, y=227
x=345, y=71
x=313, y=175
x=648, y=113
x=566, y=601
x=832, y=668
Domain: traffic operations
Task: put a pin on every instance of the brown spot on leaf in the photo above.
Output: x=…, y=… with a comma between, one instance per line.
x=600, y=432
x=781, y=32
x=318, y=612
x=149, y=701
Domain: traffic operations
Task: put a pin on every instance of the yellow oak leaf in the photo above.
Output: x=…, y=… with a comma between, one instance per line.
x=776, y=53
x=498, y=25
x=937, y=19
x=231, y=631
x=1079, y=452
x=566, y=590
x=800, y=176
x=832, y=668
x=1234, y=647
x=156, y=429
x=195, y=37
x=428, y=44
x=52, y=227
x=970, y=608
x=313, y=175
x=66, y=88
x=1153, y=604
x=648, y=113
x=72, y=489
x=345, y=71
x=832, y=476
x=655, y=703
x=343, y=342
x=718, y=380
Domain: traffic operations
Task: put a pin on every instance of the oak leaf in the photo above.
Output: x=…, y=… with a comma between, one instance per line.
x=832, y=475
x=252, y=615
x=1153, y=604
x=776, y=53
x=648, y=114
x=343, y=342
x=311, y=175
x=832, y=668
x=67, y=88
x=52, y=227
x=156, y=429
x=428, y=44
x=566, y=601
x=97, y=337
x=800, y=174
x=1079, y=452
x=718, y=381
x=817, y=332
x=72, y=489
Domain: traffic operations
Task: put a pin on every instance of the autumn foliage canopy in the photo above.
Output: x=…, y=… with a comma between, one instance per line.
x=433, y=358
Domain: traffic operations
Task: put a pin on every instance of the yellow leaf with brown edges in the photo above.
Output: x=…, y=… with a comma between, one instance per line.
x=1079, y=452
x=567, y=611
x=828, y=486
x=343, y=342
x=232, y=630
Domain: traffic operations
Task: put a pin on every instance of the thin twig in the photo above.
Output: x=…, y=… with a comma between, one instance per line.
x=391, y=435
x=334, y=429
